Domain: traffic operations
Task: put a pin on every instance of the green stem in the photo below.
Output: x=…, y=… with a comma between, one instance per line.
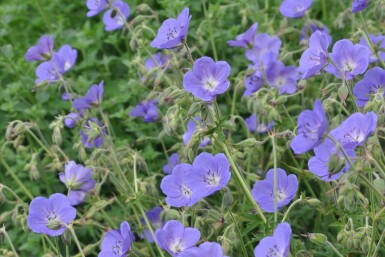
x=239, y=234
x=57, y=247
x=242, y=183
x=17, y=180
x=275, y=177
x=334, y=249
x=4, y=232
x=379, y=244
x=76, y=240
x=291, y=207
x=67, y=251
x=189, y=56
x=148, y=224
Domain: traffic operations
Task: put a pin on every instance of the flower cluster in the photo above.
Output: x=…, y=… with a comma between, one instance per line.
x=115, y=17
x=55, y=63
x=187, y=183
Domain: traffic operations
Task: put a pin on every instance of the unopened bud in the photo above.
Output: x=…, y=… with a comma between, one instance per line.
x=379, y=184
x=343, y=93
x=56, y=136
x=66, y=237
x=314, y=202
x=317, y=238
x=335, y=163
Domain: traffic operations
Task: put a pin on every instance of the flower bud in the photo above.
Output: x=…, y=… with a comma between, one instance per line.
x=317, y=238
x=379, y=184
x=314, y=202
x=335, y=163
x=66, y=237
x=343, y=93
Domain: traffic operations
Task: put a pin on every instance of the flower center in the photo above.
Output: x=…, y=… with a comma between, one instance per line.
x=280, y=81
x=279, y=196
x=348, y=66
x=172, y=33
x=175, y=247
x=53, y=221
x=355, y=134
x=211, y=178
x=185, y=191
x=311, y=131
x=274, y=252
x=117, y=248
x=210, y=84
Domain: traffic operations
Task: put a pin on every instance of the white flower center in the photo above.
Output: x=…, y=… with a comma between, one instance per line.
x=210, y=83
x=185, y=191
x=348, y=66
x=356, y=135
x=212, y=179
x=274, y=252
x=117, y=248
x=175, y=247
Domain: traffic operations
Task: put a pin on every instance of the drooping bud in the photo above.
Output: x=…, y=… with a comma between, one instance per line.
x=317, y=238
x=66, y=237
x=335, y=163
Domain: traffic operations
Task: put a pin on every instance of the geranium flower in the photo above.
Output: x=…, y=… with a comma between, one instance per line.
x=175, y=238
x=116, y=17
x=286, y=189
x=210, y=174
x=93, y=133
x=311, y=127
x=205, y=249
x=191, y=128
x=245, y=40
x=295, y=8
x=255, y=125
x=173, y=32
x=173, y=160
x=117, y=242
x=42, y=51
x=276, y=245
x=50, y=216
x=147, y=109
x=95, y=7
x=207, y=79
x=359, y=5
x=348, y=60
x=78, y=180
x=372, y=83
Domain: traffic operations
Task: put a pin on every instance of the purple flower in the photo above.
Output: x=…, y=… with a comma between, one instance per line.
x=175, y=238
x=157, y=60
x=355, y=129
x=117, y=242
x=153, y=217
x=329, y=162
x=68, y=57
x=207, y=79
x=147, y=109
x=173, y=32
x=378, y=43
x=258, y=126
x=351, y=60
x=310, y=28
x=50, y=71
x=95, y=7
x=42, y=51
x=358, y=5
x=205, y=249
x=93, y=97
x=315, y=57
x=294, y=8
x=372, y=84
x=245, y=40
x=71, y=119
x=283, y=78
x=263, y=44
x=311, y=127
x=191, y=128
x=173, y=160
x=210, y=174
x=93, y=133
x=276, y=245
x=66, y=96
x=263, y=190
x=50, y=216
x=253, y=83
x=177, y=187
x=116, y=17
x=78, y=180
